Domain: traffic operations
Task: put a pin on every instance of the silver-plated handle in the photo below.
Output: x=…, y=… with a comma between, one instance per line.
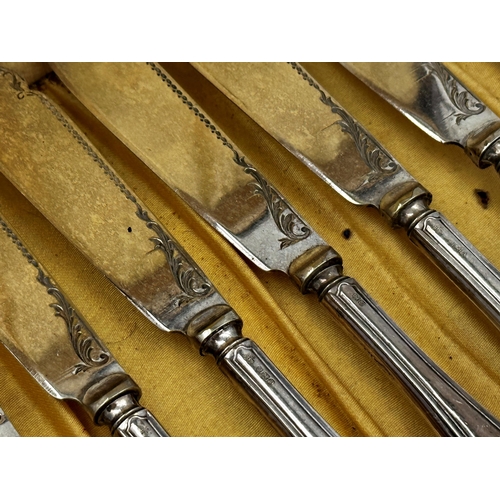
x=6, y=428
x=261, y=381
x=460, y=261
x=127, y=418
x=452, y=411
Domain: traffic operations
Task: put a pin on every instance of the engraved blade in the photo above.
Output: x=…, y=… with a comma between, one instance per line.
x=300, y=114
x=49, y=160
x=161, y=124
x=430, y=96
x=41, y=328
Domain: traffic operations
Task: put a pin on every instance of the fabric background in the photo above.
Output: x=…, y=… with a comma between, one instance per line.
x=186, y=392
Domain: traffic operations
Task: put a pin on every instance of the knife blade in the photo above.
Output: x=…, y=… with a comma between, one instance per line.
x=6, y=427
x=429, y=95
x=110, y=225
x=298, y=112
x=49, y=337
x=234, y=197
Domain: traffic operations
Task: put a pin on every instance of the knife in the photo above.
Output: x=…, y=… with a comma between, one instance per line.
x=6, y=427
x=48, y=336
x=429, y=95
x=162, y=124
x=67, y=180
x=292, y=107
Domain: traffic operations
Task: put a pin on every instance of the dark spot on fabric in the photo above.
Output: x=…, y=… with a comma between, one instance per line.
x=483, y=197
x=346, y=233
x=129, y=229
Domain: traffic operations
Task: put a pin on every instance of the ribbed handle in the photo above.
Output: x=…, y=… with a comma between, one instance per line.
x=259, y=379
x=460, y=261
x=142, y=423
x=452, y=411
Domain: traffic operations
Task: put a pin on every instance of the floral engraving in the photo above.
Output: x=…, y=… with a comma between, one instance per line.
x=288, y=222
x=18, y=84
x=463, y=100
x=189, y=279
x=372, y=153
x=90, y=351
x=86, y=346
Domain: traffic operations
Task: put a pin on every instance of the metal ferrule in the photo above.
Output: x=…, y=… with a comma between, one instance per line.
x=404, y=206
x=118, y=410
x=319, y=264
x=214, y=329
x=127, y=418
x=98, y=397
x=485, y=150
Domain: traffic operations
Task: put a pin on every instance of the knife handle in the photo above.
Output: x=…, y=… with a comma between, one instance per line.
x=127, y=418
x=460, y=261
x=254, y=373
x=452, y=411
x=218, y=332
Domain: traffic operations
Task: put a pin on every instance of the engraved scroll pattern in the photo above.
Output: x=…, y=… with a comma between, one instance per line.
x=287, y=221
x=463, y=100
x=190, y=280
x=372, y=153
x=90, y=351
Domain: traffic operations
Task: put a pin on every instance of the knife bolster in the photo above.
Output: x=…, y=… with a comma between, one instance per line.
x=321, y=260
x=103, y=393
x=484, y=149
x=491, y=155
x=214, y=329
x=127, y=418
x=405, y=205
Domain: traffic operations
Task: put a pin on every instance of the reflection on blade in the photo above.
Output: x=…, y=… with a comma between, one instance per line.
x=89, y=203
x=40, y=327
x=239, y=202
x=317, y=267
x=432, y=98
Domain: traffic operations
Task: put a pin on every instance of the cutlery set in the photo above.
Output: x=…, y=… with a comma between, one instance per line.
x=66, y=171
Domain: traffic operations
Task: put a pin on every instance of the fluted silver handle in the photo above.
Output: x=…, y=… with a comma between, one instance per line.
x=460, y=261
x=127, y=418
x=259, y=379
x=452, y=411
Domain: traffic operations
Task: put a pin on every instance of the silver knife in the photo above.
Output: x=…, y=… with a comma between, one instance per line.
x=187, y=150
x=291, y=106
x=48, y=336
x=67, y=180
x=6, y=427
x=429, y=95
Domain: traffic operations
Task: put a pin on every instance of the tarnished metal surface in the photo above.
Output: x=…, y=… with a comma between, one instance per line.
x=432, y=98
x=45, y=333
x=316, y=269
x=90, y=205
x=199, y=163
x=322, y=135
x=111, y=226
